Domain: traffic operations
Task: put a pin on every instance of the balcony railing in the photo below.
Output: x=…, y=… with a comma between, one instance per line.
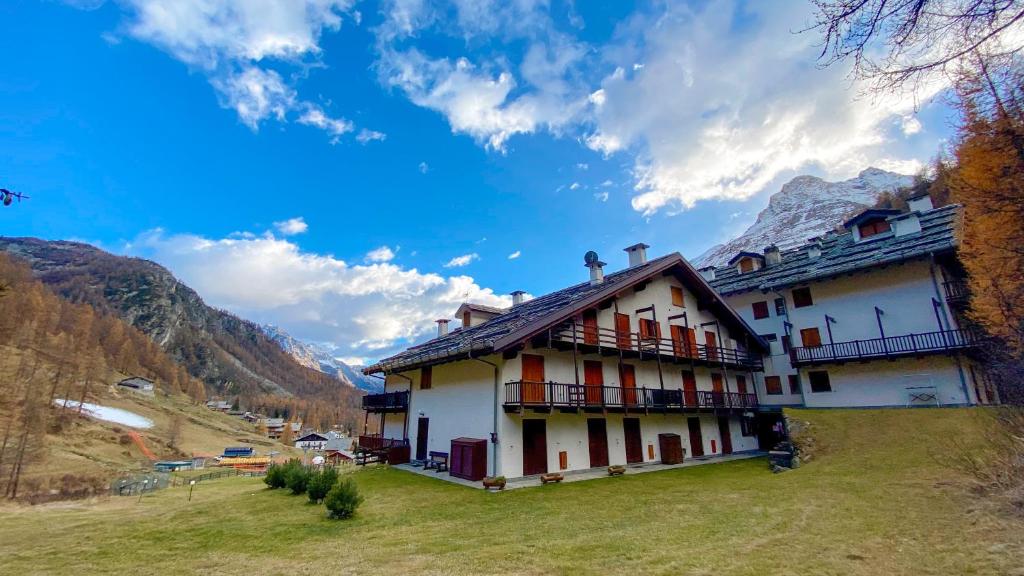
x=890, y=346
x=641, y=344
x=956, y=291
x=562, y=395
x=378, y=442
x=387, y=402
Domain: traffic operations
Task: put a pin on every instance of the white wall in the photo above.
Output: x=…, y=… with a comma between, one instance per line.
x=884, y=383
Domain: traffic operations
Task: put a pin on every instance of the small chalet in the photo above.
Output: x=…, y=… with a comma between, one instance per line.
x=138, y=384
x=312, y=441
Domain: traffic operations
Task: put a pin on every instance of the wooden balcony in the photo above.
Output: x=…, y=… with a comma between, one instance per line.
x=940, y=342
x=387, y=403
x=609, y=342
x=549, y=396
x=957, y=293
x=378, y=442
x=377, y=448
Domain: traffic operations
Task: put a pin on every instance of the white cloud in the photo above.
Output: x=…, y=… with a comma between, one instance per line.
x=582, y=165
x=910, y=125
x=314, y=116
x=290, y=227
x=369, y=310
x=574, y=186
x=423, y=167
x=460, y=261
x=366, y=136
x=382, y=254
x=602, y=196
x=515, y=255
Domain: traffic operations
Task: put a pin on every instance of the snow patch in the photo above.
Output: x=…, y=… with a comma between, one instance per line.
x=108, y=414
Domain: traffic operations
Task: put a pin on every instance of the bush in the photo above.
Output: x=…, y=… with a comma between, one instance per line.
x=320, y=484
x=275, y=476
x=296, y=477
x=343, y=499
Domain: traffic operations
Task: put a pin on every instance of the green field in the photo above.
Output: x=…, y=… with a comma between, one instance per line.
x=877, y=499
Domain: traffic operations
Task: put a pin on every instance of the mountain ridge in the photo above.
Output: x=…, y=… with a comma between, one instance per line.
x=319, y=358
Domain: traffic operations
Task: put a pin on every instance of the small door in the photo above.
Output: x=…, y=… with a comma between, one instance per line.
x=691, y=339
x=711, y=345
x=535, y=447
x=810, y=337
x=725, y=433
x=741, y=384
x=634, y=443
x=678, y=340
x=422, y=429
x=533, y=378
x=597, y=436
x=718, y=391
x=627, y=375
x=593, y=380
x=590, y=332
x=689, y=388
x=696, y=438
x=623, y=338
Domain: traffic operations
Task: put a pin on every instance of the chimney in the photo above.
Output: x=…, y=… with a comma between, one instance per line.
x=637, y=254
x=442, y=327
x=708, y=273
x=772, y=255
x=591, y=261
x=813, y=249
x=920, y=202
x=517, y=297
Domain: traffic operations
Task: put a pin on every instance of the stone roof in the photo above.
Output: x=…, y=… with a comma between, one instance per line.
x=841, y=255
x=519, y=323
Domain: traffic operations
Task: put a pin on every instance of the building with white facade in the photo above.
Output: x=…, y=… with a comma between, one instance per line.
x=645, y=364
x=867, y=316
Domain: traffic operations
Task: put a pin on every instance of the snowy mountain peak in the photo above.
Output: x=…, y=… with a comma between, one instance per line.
x=805, y=207
x=320, y=358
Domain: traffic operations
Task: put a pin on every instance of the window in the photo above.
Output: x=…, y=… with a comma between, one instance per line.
x=465, y=319
x=802, y=297
x=772, y=385
x=426, y=377
x=747, y=427
x=819, y=381
x=780, y=306
x=677, y=297
x=760, y=309
x=810, y=337
x=871, y=228
x=787, y=343
x=648, y=328
x=741, y=384
x=770, y=337
x=794, y=384
x=746, y=265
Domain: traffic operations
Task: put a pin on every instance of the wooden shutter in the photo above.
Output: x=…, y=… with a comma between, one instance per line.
x=533, y=378
x=590, y=332
x=677, y=297
x=593, y=380
x=773, y=385
x=426, y=377
x=623, y=337
x=810, y=337
x=760, y=309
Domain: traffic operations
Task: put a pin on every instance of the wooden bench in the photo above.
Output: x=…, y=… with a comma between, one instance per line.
x=437, y=461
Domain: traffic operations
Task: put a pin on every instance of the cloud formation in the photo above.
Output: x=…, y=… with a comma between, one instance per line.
x=292, y=226
x=515, y=255
x=460, y=261
x=382, y=254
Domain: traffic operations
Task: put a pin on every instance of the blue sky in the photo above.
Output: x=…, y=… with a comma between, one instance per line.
x=353, y=170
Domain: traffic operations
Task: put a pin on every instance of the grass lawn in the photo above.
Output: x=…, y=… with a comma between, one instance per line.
x=876, y=500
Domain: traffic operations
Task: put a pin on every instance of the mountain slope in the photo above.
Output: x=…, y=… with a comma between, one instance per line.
x=230, y=355
x=807, y=206
x=320, y=358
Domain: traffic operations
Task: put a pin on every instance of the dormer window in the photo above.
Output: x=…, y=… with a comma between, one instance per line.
x=746, y=262
x=870, y=223
x=747, y=265
x=868, y=229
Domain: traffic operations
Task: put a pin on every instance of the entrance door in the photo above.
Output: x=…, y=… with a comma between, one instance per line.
x=590, y=333
x=689, y=388
x=533, y=379
x=627, y=375
x=696, y=439
x=634, y=444
x=597, y=435
x=725, y=433
x=422, y=428
x=711, y=345
x=593, y=380
x=623, y=338
x=718, y=391
x=535, y=447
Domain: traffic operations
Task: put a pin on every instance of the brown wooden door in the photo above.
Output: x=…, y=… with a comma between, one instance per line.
x=741, y=384
x=422, y=429
x=691, y=339
x=634, y=443
x=627, y=375
x=696, y=438
x=597, y=435
x=590, y=332
x=533, y=378
x=725, y=433
x=593, y=380
x=810, y=337
x=678, y=340
x=711, y=345
x=689, y=388
x=718, y=391
x=623, y=338
x=535, y=447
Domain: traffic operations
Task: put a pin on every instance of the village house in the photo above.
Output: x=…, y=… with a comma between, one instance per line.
x=647, y=364
x=869, y=316
x=312, y=441
x=138, y=384
x=219, y=405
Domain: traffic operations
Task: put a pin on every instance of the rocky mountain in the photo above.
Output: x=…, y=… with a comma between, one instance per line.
x=807, y=206
x=232, y=356
x=320, y=358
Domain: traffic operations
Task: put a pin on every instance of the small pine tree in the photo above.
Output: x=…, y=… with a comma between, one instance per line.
x=296, y=477
x=275, y=476
x=320, y=483
x=343, y=499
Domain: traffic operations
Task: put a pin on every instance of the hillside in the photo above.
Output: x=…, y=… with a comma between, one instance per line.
x=231, y=356
x=319, y=358
x=805, y=207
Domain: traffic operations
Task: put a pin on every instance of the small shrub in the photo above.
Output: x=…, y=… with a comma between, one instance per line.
x=343, y=499
x=320, y=484
x=275, y=476
x=296, y=478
